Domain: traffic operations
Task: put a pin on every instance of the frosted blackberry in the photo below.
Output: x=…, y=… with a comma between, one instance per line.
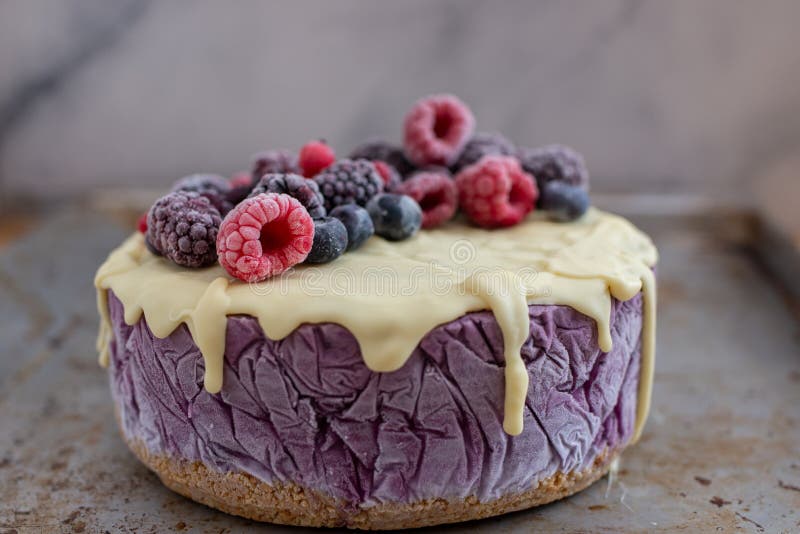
x=553, y=163
x=183, y=227
x=378, y=149
x=274, y=161
x=349, y=182
x=214, y=187
x=483, y=144
x=294, y=185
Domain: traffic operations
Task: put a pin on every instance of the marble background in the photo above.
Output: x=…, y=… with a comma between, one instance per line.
x=680, y=96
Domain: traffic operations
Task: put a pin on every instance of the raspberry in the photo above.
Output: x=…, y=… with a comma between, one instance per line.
x=389, y=175
x=294, y=185
x=496, y=192
x=378, y=149
x=555, y=163
x=484, y=144
x=436, y=130
x=349, y=181
x=435, y=193
x=274, y=161
x=183, y=227
x=315, y=156
x=263, y=236
x=214, y=187
x=141, y=224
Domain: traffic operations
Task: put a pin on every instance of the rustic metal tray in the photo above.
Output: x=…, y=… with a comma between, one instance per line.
x=721, y=450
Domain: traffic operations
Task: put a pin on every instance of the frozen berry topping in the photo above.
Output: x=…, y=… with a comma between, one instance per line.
x=274, y=161
x=389, y=175
x=241, y=183
x=564, y=202
x=294, y=185
x=264, y=236
x=357, y=222
x=380, y=150
x=396, y=217
x=349, y=181
x=214, y=187
x=183, y=226
x=484, y=144
x=436, y=129
x=496, y=192
x=436, y=195
x=141, y=224
x=315, y=156
x=330, y=240
x=555, y=163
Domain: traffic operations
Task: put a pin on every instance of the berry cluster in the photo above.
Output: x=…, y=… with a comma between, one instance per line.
x=310, y=207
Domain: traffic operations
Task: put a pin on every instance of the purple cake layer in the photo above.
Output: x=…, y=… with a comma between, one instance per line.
x=306, y=409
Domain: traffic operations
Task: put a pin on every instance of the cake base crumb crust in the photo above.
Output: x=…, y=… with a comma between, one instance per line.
x=242, y=494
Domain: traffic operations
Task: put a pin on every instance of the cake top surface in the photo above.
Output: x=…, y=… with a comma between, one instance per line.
x=390, y=294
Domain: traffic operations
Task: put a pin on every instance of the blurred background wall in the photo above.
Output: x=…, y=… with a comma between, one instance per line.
x=680, y=96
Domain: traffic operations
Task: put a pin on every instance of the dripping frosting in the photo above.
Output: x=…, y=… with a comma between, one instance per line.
x=389, y=295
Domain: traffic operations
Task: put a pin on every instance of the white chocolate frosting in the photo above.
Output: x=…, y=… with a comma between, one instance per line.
x=389, y=295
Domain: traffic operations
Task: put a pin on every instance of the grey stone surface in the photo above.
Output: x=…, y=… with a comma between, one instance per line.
x=660, y=96
x=725, y=427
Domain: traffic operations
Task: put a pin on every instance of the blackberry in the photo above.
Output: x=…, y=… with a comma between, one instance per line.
x=483, y=144
x=349, y=181
x=183, y=227
x=553, y=163
x=378, y=149
x=294, y=185
x=214, y=187
x=274, y=161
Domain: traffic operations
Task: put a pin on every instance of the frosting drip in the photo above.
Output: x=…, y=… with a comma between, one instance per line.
x=389, y=295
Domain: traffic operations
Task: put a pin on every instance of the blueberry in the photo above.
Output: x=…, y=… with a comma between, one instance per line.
x=564, y=202
x=357, y=222
x=396, y=217
x=330, y=240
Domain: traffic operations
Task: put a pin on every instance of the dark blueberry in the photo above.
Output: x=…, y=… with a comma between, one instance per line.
x=357, y=222
x=564, y=202
x=396, y=217
x=330, y=240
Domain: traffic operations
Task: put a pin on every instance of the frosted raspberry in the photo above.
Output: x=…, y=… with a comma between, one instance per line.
x=315, y=156
x=435, y=193
x=263, y=236
x=496, y=192
x=436, y=130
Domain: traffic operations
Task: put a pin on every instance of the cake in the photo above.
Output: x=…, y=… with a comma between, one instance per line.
x=479, y=365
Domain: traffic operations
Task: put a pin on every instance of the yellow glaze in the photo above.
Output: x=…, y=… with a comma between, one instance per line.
x=390, y=294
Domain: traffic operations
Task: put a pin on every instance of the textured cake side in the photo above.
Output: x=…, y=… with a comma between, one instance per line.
x=305, y=410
